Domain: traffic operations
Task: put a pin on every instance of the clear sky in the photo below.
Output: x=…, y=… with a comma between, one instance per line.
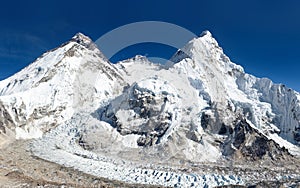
x=261, y=35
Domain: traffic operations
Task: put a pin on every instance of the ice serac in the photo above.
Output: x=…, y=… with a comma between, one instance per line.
x=49, y=90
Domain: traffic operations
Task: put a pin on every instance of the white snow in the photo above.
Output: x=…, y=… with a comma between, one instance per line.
x=28, y=133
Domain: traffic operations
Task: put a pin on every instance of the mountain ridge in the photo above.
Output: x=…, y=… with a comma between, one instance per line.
x=202, y=109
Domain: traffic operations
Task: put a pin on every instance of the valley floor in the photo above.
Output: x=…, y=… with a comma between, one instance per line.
x=19, y=168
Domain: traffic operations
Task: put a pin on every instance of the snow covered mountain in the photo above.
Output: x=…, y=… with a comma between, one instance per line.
x=49, y=90
x=201, y=109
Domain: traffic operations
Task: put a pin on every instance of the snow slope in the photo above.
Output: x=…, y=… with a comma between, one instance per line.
x=49, y=90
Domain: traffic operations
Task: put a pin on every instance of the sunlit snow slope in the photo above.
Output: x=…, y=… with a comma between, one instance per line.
x=49, y=90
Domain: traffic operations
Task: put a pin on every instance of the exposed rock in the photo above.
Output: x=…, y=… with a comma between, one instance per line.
x=142, y=111
x=252, y=144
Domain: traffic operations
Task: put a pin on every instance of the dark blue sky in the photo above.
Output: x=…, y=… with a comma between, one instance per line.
x=262, y=36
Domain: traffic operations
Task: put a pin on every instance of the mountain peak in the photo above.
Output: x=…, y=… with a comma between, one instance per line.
x=87, y=42
x=82, y=39
x=200, y=45
x=206, y=33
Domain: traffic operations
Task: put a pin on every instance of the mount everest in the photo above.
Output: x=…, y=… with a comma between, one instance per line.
x=140, y=122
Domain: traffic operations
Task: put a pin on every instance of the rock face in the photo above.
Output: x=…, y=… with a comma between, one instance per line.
x=148, y=108
x=246, y=142
x=202, y=109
